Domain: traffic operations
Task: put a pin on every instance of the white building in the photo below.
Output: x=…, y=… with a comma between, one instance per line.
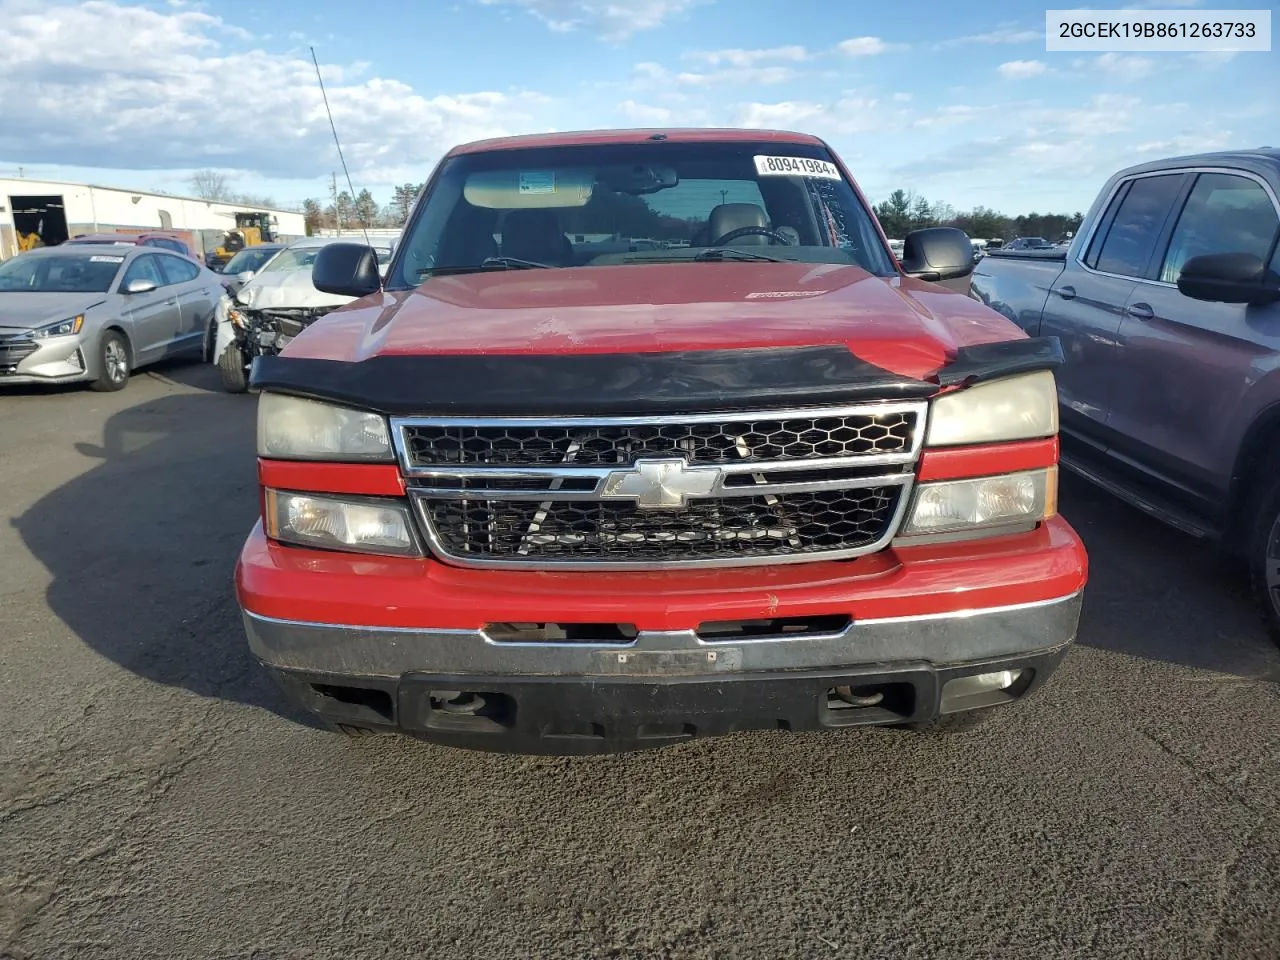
x=58, y=211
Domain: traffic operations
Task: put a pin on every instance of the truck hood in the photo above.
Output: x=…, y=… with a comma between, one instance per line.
x=22, y=311
x=901, y=325
x=287, y=291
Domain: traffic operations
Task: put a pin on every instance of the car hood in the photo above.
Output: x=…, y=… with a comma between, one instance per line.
x=286, y=290
x=905, y=326
x=22, y=311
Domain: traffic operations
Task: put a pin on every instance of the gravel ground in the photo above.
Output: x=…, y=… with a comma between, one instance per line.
x=159, y=800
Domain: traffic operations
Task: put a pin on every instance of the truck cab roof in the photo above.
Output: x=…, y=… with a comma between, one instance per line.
x=639, y=135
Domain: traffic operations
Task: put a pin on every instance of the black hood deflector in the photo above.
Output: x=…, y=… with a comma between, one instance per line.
x=639, y=384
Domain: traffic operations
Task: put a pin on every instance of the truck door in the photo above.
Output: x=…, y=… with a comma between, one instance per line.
x=1086, y=303
x=1188, y=363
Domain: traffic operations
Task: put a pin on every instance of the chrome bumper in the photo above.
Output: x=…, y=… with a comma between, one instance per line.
x=388, y=653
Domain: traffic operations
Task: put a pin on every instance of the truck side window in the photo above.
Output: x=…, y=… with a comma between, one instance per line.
x=1132, y=237
x=1223, y=214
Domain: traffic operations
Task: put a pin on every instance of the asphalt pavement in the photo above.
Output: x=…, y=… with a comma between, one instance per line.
x=157, y=798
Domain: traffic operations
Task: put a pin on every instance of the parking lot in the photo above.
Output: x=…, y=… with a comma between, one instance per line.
x=159, y=800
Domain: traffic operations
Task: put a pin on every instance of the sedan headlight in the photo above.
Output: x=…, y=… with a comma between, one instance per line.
x=334, y=523
x=63, y=328
x=983, y=504
x=292, y=428
x=1023, y=407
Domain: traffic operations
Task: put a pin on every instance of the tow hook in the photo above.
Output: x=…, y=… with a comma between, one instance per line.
x=849, y=695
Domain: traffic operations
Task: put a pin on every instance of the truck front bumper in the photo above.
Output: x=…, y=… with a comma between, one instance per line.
x=402, y=644
x=665, y=686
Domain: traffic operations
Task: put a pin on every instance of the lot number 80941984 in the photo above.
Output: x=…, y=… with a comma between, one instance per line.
x=796, y=167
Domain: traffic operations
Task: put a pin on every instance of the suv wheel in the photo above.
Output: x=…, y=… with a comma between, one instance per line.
x=1264, y=555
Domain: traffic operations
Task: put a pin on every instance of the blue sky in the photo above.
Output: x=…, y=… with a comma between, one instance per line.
x=959, y=102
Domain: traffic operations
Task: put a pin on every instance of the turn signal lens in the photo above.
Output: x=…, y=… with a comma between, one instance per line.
x=363, y=526
x=982, y=504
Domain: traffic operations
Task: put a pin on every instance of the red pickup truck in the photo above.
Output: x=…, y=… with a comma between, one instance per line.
x=548, y=489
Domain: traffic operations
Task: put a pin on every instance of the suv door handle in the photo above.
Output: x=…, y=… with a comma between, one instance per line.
x=1066, y=293
x=1140, y=311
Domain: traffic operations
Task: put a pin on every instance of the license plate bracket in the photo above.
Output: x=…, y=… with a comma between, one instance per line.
x=668, y=663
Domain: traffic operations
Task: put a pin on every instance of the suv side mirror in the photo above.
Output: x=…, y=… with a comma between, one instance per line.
x=1229, y=278
x=140, y=286
x=244, y=276
x=346, y=270
x=936, y=254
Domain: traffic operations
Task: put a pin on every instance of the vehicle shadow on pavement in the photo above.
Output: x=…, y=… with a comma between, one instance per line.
x=141, y=546
x=183, y=370
x=1161, y=595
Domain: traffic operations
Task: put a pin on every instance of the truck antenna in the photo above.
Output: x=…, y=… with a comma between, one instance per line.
x=364, y=227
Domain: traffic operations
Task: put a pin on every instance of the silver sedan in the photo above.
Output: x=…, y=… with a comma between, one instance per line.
x=75, y=313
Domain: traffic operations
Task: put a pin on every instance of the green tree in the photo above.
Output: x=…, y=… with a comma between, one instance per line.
x=312, y=216
x=402, y=200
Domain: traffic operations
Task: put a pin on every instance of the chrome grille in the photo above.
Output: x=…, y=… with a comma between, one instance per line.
x=638, y=493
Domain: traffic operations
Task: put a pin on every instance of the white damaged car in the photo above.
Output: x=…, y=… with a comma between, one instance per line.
x=273, y=308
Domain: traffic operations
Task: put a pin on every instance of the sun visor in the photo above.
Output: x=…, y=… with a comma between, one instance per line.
x=529, y=189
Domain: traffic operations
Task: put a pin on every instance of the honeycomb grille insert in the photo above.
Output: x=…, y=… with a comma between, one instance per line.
x=730, y=528
x=755, y=440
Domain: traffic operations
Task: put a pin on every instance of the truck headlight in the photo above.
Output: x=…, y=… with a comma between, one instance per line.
x=293, y=428
x=335, y=523
x=983, y=504
x=1022, y=407
x=63, y=328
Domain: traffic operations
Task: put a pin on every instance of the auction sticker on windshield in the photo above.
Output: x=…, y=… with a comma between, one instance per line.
x=106, y=259
x=796, y=167
x=538, y=181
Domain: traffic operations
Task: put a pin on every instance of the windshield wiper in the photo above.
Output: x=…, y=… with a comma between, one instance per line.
x=734, y=253
x=488, y=263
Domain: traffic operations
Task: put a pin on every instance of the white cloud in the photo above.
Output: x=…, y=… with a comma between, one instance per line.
x=1122, y=66
x=749, y=58
x=951, y=115
x=1022, y=69
x=644, y=113
x=608, y=19
x=648, y=75
x=1004, y=34
x=865, y=46
x=131, y=87
x=788, y=115
x=902, y=97
x=1213, y=58
x=1199, y=142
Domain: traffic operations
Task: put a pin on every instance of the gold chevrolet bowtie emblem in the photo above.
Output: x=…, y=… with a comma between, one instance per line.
x=660, y=484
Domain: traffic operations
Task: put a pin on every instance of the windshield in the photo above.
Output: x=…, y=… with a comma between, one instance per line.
x=301, y=258
x=250, y=259
x=638, y=203
x=90, y=273
x=291, y=260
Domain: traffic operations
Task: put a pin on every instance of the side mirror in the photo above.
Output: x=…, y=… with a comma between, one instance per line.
x=1229, y=278
x=936, y=254
x=346, y=270
x=245, y=276
x=140, y=286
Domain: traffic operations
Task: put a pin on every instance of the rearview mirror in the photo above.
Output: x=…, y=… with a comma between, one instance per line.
x=1229, y=278
x=346, y=270
x=140, y=286
x=937, y=254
